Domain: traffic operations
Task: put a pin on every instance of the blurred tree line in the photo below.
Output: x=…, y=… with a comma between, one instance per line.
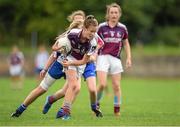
x=148, y=21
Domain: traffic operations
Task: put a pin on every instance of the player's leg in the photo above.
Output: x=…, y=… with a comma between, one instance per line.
x=115, y=72
x=14, y=82
x=73, y=76
x=55, y=71
x=60, y=93
x=70, y=95
x=90, y=77
x=102, y=67
x=34, y=94
x=53, y=98
x=15, y=72
x=117, y=92
x=102, y=82
x=107, y=91
x=91, y=84
x=20, y=82
x=21, y=78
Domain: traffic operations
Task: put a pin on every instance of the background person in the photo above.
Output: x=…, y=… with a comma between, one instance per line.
x=40, y=60
x=16, y=67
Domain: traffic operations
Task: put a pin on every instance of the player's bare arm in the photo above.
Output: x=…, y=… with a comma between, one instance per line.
x=85, y=59
x=55, y=46
x=48, y=64
x=128, y=53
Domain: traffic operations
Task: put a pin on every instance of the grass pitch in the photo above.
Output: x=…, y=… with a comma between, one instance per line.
x=145, y=102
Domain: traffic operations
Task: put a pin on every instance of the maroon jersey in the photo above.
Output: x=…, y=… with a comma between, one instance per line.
x=78, y=49
x=16, y=58
x=113, y=38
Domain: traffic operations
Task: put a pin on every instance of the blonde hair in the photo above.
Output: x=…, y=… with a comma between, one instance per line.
x=70, y=18
x=74, y=24
x=108, y=7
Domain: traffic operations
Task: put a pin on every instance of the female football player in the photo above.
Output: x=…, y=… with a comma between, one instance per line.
x=114, y=35
x=83, y=44
x=90, y=77
x=55, y=71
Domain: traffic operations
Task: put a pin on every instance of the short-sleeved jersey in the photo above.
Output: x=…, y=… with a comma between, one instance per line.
x=78, y=49
x=113, y=38
x=16, y=59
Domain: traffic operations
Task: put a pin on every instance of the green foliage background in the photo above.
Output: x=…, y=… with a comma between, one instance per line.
x=148, y=21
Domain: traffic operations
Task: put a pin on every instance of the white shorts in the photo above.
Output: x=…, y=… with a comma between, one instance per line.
x=79, y=69
x=47, y=81
x=108, y=63
x=15, y=70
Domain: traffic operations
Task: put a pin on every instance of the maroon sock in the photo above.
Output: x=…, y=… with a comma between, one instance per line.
x=116, y=109
x=67, y=108
x=51, y=100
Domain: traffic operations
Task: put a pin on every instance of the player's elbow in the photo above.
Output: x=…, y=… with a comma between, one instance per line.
x=53, y=48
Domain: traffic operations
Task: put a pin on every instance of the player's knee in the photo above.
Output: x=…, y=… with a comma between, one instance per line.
x=43, y=85
x=92, y=92
x=47, y=82
x=39, y=90
x=63, y=91
x=102, y=87
x=77, y=89
x=116, y=88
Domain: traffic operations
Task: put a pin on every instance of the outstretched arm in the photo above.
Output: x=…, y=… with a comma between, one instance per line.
x=51, y=59
x=128, y=53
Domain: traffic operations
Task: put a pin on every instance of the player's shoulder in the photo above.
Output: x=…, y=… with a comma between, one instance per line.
x=103, y=24
x=122, y=25
x=74, y=31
